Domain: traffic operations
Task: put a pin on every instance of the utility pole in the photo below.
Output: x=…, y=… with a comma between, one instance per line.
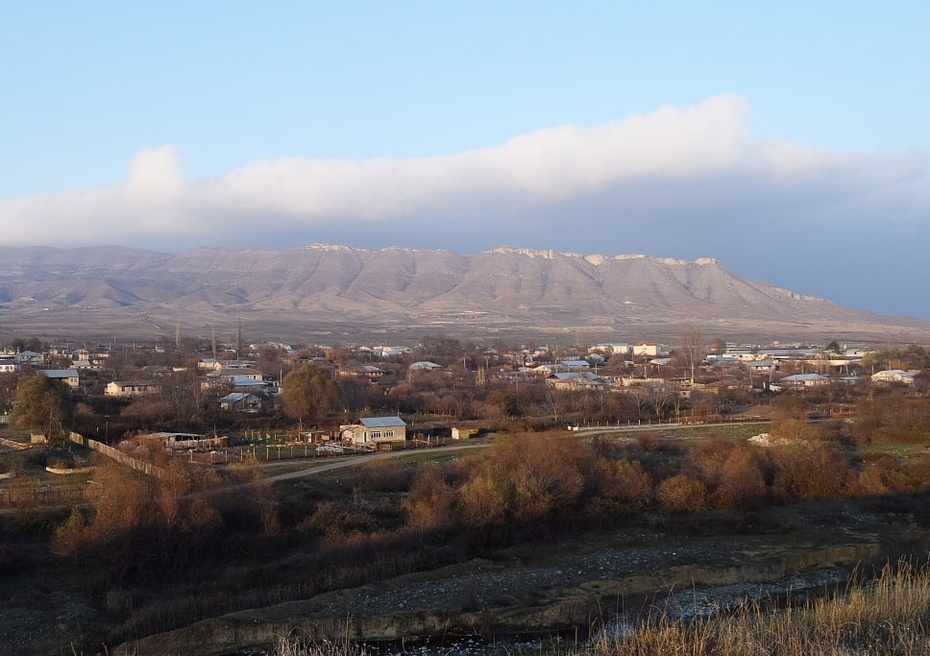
x=239, y=338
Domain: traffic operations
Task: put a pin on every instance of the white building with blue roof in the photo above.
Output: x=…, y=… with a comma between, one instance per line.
x=374, y=431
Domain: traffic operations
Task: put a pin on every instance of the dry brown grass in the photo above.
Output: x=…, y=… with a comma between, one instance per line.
x=295, y=646
x=886, y=616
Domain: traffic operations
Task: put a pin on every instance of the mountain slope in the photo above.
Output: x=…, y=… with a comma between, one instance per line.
x=346, y=284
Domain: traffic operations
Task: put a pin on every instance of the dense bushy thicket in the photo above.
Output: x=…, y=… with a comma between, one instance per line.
x=532, y=480
x=144, y=529
x=894, y=417
x=525, y=481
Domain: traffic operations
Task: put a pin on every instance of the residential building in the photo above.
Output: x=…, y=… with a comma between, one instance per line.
x=894, y=376
x=574, y=380
x=648, y=349
x=131, y=388
x=612, y=348
x=425, y=365
x=241, y=401
x=68, y=376
x=374, y=431
x=796, y=381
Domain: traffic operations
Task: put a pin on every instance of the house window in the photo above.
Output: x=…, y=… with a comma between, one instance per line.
x=389, y=432
x=375, y=435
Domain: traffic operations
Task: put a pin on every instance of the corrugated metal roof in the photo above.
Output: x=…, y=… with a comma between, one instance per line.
x=381, y=422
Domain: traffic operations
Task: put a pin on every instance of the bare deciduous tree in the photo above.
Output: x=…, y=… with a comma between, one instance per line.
x=691, y=349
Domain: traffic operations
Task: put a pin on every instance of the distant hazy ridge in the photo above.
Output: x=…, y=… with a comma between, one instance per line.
x=400, y=284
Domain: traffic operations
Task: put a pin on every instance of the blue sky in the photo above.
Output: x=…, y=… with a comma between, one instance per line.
x=788, y=141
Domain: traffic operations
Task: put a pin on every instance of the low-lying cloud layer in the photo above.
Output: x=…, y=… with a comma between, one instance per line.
x=680, y=182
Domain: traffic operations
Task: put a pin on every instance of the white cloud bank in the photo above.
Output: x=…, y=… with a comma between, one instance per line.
x=643, y=165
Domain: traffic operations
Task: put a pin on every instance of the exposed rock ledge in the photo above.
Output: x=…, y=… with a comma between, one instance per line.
x=492, y=597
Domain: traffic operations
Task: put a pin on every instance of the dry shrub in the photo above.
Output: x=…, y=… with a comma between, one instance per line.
x=333, y=519
x=883, y=474
x=124, y=521
x=383, y=477
x=71, y=538
x=708, y=458
x=619, y=486
x=482, y=500
x=682, y=495
x=649, y=442
x=790, y=406
x=808, y=470
x=429, y=504
x=742, y=481
x=246, y=502
x=146, y=529
x=540, y=475
x=796, y=430
x=523, y=478
x=149, y=408
x=920, y=470
x=892, y=417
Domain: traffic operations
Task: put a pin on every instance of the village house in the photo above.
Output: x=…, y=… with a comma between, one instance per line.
x=642, y=381
x=765, y=366
x=648, y=349
x=8, y=366
x=241, y=401
x=894, y=376
x=424, y=365
x=374, y=431
x=241, y=379
x=800, y=381
x=29, y=357
x=548, y=369
x=231, y=374
x=69, y=377
x=367, y=371
x=574, y=380
x=214, y=365
x=131, y=388
x=385, y=352
x=612, y=348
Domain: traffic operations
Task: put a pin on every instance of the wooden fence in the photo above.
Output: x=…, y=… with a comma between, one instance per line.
x=51, y=495
x=117, y=455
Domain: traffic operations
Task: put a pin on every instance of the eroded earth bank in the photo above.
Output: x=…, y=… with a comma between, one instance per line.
x=576, y=587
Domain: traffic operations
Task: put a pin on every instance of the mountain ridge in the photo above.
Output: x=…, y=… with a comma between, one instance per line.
x=415, y=287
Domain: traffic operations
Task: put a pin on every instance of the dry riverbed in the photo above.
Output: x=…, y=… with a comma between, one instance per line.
x=604, y=578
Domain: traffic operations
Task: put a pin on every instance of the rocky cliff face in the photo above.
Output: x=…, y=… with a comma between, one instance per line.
x=364, y=285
